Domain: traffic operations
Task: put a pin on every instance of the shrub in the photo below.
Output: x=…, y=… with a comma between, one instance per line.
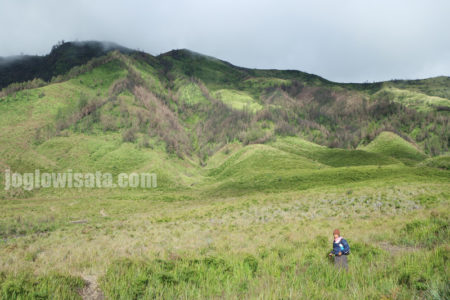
x=129, y=135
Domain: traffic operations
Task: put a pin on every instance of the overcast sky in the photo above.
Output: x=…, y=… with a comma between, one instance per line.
x=341, y=40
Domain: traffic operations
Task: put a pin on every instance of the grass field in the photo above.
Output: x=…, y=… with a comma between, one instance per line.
x=244, y=221
x=256, y=224
x=188, y=244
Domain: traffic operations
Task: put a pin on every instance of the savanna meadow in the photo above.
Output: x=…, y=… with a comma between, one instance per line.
x=255, y=169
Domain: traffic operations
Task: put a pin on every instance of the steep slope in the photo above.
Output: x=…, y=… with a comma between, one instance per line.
x=190, y=106
x=294, y=103
x=85, y=120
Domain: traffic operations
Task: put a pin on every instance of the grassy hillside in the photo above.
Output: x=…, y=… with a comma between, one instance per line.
x=255, y=169
x=392, y=145
x=414, y=99
x=255, y=106
x=331, y=156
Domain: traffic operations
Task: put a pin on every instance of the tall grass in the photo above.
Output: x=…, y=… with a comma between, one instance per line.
x=291, y=270
x=53, y=286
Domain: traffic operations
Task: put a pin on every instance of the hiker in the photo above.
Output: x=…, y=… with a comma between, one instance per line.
x=340, y=250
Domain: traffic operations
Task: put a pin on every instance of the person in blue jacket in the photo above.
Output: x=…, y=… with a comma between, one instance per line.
x=340, y=250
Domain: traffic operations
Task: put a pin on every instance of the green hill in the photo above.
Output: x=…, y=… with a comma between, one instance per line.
x=211, y=102
x=390, y=144
x=182, y=108
x=331, y=156
x=261, y=159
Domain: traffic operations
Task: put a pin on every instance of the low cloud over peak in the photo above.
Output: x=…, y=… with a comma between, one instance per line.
x=341, y=41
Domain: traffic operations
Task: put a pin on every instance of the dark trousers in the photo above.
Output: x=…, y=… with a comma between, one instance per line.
x=341, y=262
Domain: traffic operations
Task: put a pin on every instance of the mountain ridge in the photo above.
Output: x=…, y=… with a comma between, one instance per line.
x=62, y=57
x=107, y=46
x=207, y=103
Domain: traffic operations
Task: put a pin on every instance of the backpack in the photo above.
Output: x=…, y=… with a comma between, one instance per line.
x=342, y=244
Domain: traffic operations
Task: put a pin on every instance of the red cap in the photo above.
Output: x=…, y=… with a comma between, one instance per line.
x=336, y=231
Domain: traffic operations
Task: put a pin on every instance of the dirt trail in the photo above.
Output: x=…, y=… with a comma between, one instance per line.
x=91, y=291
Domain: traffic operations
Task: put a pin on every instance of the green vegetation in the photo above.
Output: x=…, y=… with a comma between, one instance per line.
x=55, y=286
x=431, y=86
x=390, y=144
x=255, y=169
x=442, y=162
x=191, y=94
x=414, y=99
x=237, y=100
x=332, y=157
x=186, y=243
x=296, y=270
x=259, y=104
